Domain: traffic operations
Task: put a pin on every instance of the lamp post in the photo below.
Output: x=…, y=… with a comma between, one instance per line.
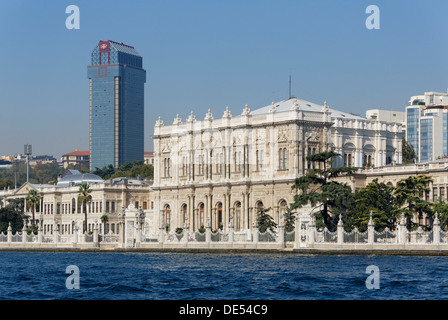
x=27, y=152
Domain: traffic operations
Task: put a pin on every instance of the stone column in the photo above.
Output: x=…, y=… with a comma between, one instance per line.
x=231, y=232
x=40, y=233
x=370, y=230
x=9, y=233
x=311, y=230
x=161, y=234
x=281, y=235
x=208, y=232
x=75, y=236
x=340, y=230
x=297, y=232
x=95, y=235
x=56, y=234
x=402, y=230
x=138, y=236
x=24, y=233
x=255, y=231
x=436, y=230
x=186, y=232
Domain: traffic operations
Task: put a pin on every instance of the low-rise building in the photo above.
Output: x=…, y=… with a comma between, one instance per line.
x=76, y=158
x=59, y=206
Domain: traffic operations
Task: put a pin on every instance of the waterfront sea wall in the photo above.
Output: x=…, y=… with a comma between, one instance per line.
x=304, y=238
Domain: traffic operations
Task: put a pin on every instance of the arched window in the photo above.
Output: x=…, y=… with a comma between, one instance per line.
x=237, y=217
x=219, y=215
x=167, y=217
x=201, y=214
x=285, y=159
x=282, y=207
x=184, y=212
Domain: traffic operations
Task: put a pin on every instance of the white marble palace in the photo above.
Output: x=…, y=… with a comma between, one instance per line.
x=219, y=170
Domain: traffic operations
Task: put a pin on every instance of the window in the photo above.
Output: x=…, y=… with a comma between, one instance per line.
x=167, y=217
x=201, y=214
x=219, y=162
x=347, y=160
x=184, y=167
x=308, y=161
x=283, y=159
x=201, y=164
x=237, y=215
x=184, y=212
x=434, y=194
x=167, y=167
x=442, y=193
x=238, y=161
x=260, y=159
x=219, y=209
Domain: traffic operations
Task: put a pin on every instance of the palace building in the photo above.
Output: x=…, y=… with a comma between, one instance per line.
x=59, y=206
x=218, y=171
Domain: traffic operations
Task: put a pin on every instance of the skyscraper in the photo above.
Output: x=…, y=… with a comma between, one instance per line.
x=116, y=84
x=427, y=125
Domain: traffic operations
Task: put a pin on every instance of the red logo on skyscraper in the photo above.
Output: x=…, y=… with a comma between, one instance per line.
x=104, y=46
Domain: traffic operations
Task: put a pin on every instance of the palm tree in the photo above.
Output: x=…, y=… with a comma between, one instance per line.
x=32, y=200
x=84, y=196
x=104, y=220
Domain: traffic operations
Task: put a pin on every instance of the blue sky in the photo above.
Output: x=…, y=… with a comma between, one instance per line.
x=210, y=54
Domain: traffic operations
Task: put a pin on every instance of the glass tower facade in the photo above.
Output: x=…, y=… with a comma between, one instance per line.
x=116, y=84
x=413, y=118
x=426, y=140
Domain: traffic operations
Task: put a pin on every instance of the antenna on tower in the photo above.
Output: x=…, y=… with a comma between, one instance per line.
x=290, y=86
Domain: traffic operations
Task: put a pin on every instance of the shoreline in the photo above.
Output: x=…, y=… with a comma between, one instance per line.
x=304, y=251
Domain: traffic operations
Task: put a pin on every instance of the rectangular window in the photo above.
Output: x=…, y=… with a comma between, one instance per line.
x=442, y=193
x=434, y=194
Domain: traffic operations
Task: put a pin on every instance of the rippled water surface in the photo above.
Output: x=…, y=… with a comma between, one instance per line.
x=41, y=275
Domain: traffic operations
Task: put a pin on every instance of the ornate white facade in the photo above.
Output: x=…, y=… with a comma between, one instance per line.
x=219, y=171
x=60, y=209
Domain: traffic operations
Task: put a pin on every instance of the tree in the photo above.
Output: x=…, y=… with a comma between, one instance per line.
x=32, y=201
x=289, y=219
x=264, y=220
x=377, y=198
x=408, y=152
x=319, y=188
x=17, y=205
x=441, y=207
x=9, y=215
x=130, y=169
x=105, y=173
x=84, y=196
x=6, y=184
x=409, y=194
